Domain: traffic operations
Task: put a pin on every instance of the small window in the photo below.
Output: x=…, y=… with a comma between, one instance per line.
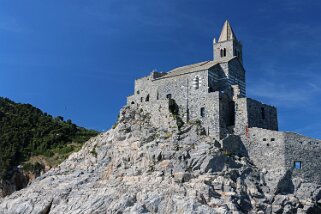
x=263, y=113
x=141, y=99
x=169, y=96
x=297, y=165
x=264, y=139
x=267, y=144
x=202, y=112
x=147, y=98
x=272, y=139
x=137, y=92
x=224, y=52
x=133, y=102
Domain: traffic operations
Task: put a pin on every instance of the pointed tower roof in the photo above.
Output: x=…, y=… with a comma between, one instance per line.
x=227, y=32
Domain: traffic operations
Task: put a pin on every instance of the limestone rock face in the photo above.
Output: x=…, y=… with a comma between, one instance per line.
x=139, y=168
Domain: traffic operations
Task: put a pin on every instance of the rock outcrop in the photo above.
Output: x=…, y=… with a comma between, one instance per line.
x=139, y=168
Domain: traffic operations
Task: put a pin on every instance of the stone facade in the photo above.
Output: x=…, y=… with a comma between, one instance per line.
x=214, y=94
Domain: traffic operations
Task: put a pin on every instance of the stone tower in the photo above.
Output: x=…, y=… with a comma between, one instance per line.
x=227, y=45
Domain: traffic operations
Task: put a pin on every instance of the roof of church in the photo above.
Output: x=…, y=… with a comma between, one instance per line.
x=193, y=68
x=227, y=32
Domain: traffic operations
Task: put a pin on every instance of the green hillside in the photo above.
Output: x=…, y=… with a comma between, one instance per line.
x=27, y=133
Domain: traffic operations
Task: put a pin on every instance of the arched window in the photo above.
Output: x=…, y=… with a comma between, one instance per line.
x=147, y=98
x=221, y=52
x=133, y=102
x=224, y=52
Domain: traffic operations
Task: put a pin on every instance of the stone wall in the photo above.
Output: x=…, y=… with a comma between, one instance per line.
x=276, y=152
x=251, y=113
x=161, y=116
x=182, y=90
x=261, y=115
x=195, y=102
x=144, y=92
x=266, y=149
x=227, y=114
x=217, y=79
x=227, y=74
x=305, y=150
x=236, y=75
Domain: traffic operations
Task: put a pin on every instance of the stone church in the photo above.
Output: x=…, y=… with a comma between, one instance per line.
x=213, y=92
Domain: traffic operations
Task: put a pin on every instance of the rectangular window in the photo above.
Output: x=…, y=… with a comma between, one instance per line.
x=202, y=112
x=297, y=165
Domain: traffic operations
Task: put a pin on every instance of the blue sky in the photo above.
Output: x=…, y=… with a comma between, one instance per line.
x=79, y=59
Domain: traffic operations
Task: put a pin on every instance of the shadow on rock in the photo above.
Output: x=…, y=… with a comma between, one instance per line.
x=285, y=185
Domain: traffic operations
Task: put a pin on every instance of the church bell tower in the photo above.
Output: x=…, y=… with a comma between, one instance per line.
x=227, y=45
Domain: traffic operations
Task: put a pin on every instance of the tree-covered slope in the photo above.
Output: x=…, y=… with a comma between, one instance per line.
x=27, y=132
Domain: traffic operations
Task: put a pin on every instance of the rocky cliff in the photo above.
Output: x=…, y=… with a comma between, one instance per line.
x=139, y=168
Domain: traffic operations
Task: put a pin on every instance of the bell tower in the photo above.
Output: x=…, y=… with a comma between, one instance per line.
x=227, y=45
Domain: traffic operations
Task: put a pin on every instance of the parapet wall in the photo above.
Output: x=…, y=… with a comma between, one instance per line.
x=251, y=113
x=261, y=115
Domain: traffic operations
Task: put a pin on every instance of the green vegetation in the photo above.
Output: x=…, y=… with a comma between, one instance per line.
x=174, y=109
x=167, y=135
x=35, y=168
x=93, y=151
x=227, y=154
x=195, y=122
x=26, y=132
